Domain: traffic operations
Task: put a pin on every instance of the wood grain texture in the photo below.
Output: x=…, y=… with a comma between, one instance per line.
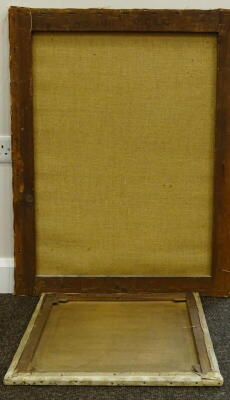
x=64, y=284
x=206, y=334
x=176, y=297
x=22, y=148
x=125, y=20
x=133, y=325
x=36, y=332
x=22, y=22
x=123, y=379
x=120, y=284
x=198, y=334
x=221, y=227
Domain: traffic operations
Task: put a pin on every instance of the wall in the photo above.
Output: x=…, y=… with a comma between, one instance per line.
x=6, y=214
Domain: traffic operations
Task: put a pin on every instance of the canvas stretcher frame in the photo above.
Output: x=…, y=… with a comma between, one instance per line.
x=25, y=21
x=206, y=373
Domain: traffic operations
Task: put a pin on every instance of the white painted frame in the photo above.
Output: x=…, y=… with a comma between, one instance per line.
x=212, y=378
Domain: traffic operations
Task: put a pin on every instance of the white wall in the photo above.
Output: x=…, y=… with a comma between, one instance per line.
x=6, y=214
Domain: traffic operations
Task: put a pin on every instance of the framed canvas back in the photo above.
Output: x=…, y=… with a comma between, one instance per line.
x=121, y=167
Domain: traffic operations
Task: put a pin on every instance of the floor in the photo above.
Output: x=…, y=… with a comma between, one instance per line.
x=15, y=313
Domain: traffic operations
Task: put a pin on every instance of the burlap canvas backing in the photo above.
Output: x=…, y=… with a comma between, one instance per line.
x=124, y=143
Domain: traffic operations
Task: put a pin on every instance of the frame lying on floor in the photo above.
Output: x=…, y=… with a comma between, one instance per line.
x=206, y=373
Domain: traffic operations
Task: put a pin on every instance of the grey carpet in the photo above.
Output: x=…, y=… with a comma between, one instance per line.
x=15, y=313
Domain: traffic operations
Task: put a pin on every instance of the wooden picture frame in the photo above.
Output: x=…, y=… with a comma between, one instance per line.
x=25, y=21
x=25, y=371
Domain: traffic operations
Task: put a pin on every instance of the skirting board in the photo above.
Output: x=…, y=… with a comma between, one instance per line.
x=105, y=334
x=6, y=275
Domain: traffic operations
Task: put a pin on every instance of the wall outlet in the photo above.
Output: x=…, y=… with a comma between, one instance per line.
x=5, y=149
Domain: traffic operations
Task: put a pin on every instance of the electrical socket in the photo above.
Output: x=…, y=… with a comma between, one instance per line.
x=5, y=149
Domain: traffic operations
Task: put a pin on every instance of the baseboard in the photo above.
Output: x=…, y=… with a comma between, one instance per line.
x=6, y=274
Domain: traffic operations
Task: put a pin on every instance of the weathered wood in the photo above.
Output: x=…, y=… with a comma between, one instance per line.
x=25, y=338
x=221, y=223
x=36, y=332
x=121, y=297
x=198, y=334
x=174, y=379
x=22, y=148
x=25, y=20
x=119, y=284
x=125, y=20
x=206, y=335
x=17, y=372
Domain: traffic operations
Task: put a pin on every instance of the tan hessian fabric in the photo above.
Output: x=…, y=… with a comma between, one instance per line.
x=116, y=337
x=124, y=136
